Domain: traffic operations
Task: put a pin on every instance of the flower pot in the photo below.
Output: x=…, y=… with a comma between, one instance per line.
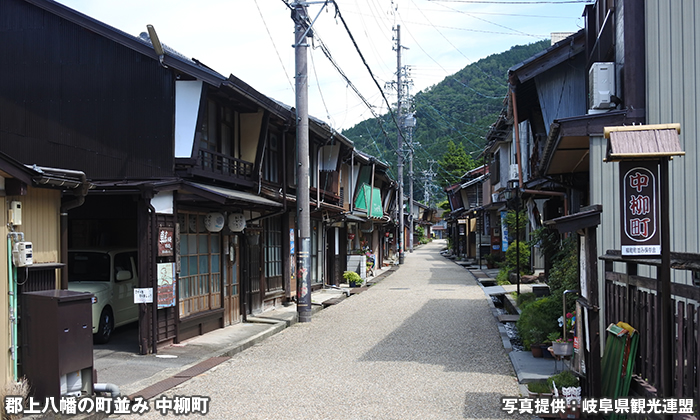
x=545, y=351
x=536, y=350
x=563, y=349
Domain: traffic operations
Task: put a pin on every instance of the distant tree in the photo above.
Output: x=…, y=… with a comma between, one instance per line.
x=460, y=108
x=455, y=162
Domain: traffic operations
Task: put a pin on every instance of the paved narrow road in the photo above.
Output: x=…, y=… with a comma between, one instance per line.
x=421, y=344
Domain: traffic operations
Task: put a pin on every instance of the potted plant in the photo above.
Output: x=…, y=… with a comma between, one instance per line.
x=566, y=385
x=538, y=389
x=492, y=260
x=561, y=346
x=536, y=340
x=353, y=279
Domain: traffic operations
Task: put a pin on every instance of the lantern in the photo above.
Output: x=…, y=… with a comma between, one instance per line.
x=214, y=222
x=236, y=222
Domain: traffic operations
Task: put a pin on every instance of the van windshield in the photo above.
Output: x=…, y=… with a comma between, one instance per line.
x=88, y=266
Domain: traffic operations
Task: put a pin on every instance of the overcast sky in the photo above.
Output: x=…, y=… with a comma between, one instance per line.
x=252, y=39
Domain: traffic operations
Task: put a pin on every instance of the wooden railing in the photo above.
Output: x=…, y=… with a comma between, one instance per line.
x=221, y=164
x=633, y=299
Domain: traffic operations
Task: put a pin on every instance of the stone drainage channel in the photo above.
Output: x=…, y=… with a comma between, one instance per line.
x=511, y=329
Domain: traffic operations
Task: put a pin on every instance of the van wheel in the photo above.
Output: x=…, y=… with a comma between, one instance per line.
x=105, y=327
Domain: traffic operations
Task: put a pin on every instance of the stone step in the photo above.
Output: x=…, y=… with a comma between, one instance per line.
x=508, y=318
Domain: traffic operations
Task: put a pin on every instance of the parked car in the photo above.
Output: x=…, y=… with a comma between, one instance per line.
x=110, y=275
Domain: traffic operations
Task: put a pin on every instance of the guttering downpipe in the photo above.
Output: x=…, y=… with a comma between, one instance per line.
x=351, y=193
x=371, y=196
x=516, y=130
x=12, y=292
x=284, y=170
x=318, y=178
x=154, y=305
x=78, y=201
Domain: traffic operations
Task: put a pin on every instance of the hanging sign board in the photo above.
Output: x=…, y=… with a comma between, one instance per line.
x=166, y=242
x=639, y=192
x=166, y=285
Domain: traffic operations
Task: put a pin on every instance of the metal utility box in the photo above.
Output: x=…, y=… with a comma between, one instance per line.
x=57, y=342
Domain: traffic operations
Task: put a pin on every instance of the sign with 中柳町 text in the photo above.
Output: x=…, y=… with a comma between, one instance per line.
x=639, y=191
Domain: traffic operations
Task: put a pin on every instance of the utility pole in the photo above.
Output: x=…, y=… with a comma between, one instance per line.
x=399, y=116
x=410, y=124
x=428, y=178
x=302, y=30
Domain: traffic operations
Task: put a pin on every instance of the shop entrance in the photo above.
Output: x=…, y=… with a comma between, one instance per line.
x=232, y=303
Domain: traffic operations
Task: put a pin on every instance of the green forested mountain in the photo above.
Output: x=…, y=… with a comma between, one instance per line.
x=459, y=109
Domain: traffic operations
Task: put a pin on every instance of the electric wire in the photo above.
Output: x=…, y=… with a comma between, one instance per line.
x=318, y=85
x=455, y=79
x=457, y=49
x=515, y=2
x=357, y=48
x=274, y=45
x=329, y=56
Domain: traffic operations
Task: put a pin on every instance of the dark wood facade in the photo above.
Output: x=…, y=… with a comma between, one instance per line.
x=73, y=98
x=79, y=94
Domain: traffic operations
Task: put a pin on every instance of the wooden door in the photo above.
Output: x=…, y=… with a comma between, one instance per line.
x=253, y=287
x=232, y=303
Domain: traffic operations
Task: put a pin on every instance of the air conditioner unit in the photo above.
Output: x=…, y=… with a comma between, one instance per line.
x=601, y=81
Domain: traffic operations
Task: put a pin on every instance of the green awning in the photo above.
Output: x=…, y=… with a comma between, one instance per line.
x=363, y=200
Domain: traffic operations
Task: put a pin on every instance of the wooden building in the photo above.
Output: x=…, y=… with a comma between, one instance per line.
x=30, y=213
x=634, y=63
x=175, y=152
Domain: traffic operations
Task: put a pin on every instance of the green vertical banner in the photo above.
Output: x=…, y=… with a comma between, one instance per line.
x=303, y=280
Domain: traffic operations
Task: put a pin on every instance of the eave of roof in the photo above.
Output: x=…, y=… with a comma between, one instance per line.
x=581, y=126
x=135, y=43
x=643, y=142
x=548, y=58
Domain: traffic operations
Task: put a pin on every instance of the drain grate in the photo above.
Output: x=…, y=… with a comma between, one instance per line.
x=202, y=367
x=166, y=384
x=399, y=288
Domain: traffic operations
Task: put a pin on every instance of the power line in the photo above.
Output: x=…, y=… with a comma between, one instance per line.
x=374, y=79
x=318, y=85
x=451, y=10
x=273, y=44
x=453, y=46
x=450, y=126
x=515, y=2
x=452, y=76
